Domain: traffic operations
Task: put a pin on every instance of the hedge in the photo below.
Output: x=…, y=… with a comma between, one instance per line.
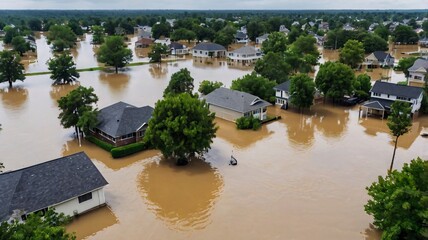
x=100, y=143
x=129, y=149
x=248, y=123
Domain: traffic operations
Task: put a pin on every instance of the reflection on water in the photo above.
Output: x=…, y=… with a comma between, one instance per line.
x=158, y=70
x=181, y=196
x=14, y=98
x=300, y=128
x=100, y=219
x=117, y=83
x=208, y=63
x=332, y=121
x=371, y=233
x=59, y=91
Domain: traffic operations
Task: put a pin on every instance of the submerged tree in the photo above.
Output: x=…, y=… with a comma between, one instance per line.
x=10, y=67
x=362, y=86
x=399, y=202
x=157, y=51
x=77, y=109
x=302, y=89
x=114, y=52
x=181, y=126
x=20, y=45
x=399, y=123
x=63, y=69
x=352, y=53
x=206, y=87
x=61, y=37
x=181, y=82
x=335, y=80
x=273, y=67
x=98, y=35
x=256, y=85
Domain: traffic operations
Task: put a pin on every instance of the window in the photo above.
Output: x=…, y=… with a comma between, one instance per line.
x=376, y=94
x=85, y=197
x=403, y=98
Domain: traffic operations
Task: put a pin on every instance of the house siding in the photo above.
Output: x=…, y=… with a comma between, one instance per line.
x=206, y=54
x=224, y=113
x=69, y=207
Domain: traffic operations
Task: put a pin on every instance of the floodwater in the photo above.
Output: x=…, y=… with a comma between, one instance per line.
x=301, y=177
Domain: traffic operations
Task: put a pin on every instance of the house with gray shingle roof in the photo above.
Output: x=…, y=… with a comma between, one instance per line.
x=178, y=49
x=121, y=123
x=418, y=73
x=71, y=184
x=379, y=59
x=231, y=104
x=282, y=93
x=208, y=49
x=384, y=94
x=245, y=54
x=262, y=38
x=241, y=37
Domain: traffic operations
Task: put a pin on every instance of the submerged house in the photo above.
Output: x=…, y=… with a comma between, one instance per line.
x=231, y=104
x=121, y=123
x=384, y=94
x=71, y=184
x=379, y=59
x=418, y=73
x=282, y=93
x=245, y=54
x=178, y=49
x=241, y=37
x=262, y=38
x=207, y=49
x=144, y=42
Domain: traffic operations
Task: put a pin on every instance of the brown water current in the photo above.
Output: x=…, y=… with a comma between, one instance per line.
x=301, y=177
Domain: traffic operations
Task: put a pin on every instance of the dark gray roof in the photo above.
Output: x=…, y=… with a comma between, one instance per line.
x=121, y=118
x=264, y=36
x=380, y=56
x=283, y=86
x=207, y=46
x=419, y=63
x=396, y=90
x=46, y=184
x=379, y=103
x=176, y=45
x=235, y=100
x=240, y=35
x=246, y=50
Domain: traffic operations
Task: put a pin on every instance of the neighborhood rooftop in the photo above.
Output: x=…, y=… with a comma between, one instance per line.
x=396, y=90
x=245, y=50
x=283, y=86
x=235, y=100
x=45, y=184
x=206, y=46
x=419, y=63
x=122, y=118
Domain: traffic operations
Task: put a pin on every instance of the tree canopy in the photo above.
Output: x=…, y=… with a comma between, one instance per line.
x=20, y=45
x=302, y=89
x=114, y=52
x=181, y=126
x=335, y=80
x=61, y=37
x=276, y=43
x=273, y=67
x=158, y=49
x=98, y=34
x=77, y=109
x=352, y=53
x=256, y=85
x=405, y=35
x=206, y=87
x=181, y=82
x=399, y=202
x=63, y=69
x=405, y=63
x=362, y=86
x=11, y=68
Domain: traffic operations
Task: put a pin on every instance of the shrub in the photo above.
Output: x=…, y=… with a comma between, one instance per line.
x=100, y=143
x=248, y=123
x=129, y=149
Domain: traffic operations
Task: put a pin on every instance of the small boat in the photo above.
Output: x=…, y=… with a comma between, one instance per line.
x=233, y=161
x=424, y=134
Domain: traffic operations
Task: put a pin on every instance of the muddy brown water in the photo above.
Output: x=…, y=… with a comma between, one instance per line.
x=302, y=177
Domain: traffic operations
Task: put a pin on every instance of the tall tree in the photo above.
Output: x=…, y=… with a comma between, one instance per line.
x=181, y=82
x=302, y=89
x=352, y=53
x=98, y=34
x=161, y=29
x=273, y=67
x=255, y=29
x=399, y=202
x=335, y=80
x=206, y=87
x=114, y=52
x=362, y=86
x=61, y=37
x=10, y=33
x=405, y=35
x=11, y=68
x=373, y=42
x=399, y=123
x=19, y=45
x=75, y=106
x=180, y=127
x=256, y=85
x=63, y=69
x=277, y=43
x=35, y=24
x=157, y=51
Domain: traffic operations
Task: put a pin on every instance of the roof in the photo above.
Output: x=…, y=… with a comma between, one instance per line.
x=396, y=90
x=207, y=46
x=264, y=36
x=49, y=183
x=121, y=118
x=285, y=86
x=235, y=100
x=176, y=45
x=380, y=55
x=145, y=41
x=378, y=103
x=240, y=35
x=419, y=63
x=245, y=50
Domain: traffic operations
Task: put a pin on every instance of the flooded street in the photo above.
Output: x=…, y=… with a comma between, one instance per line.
x=302, y=177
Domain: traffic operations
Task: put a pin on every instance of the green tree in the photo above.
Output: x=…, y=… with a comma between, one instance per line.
x=49, y=226
x=10, y=33
x=273, y=67
x=10, y=67
x=276, y=43
x=75, y=106
x=425, y=26
x=382, y=32
x=399, y=202
x=183, y=34
x=61, y=37
x=74, y=25
x=206, y=87
x=335, y=80
x=181, y=126
x=161, y=29
x=98, y=35
x=256, y=85
x=302, y=89
x=362, y=86
x=352, y=53
x=35, y=24
x=19, y=45
x=302, y=54
x=399, y=122
x=114, y=52
x=373, y=42
x=181, y=82
x=405, y=63
x=157, y=51
x=255, y=29
x=63, y=69
x=405, y=35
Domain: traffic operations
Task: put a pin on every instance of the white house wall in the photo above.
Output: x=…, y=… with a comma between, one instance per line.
x=416, y=103
x=69, y=207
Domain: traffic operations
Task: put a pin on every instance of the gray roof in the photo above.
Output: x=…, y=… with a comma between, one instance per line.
x=121, y=118
x=379, y=103
x=285, y=86
x=419, y=63
x=264, y=36
x=49, y=183
x=207, y=46
x=380, y=56
x=240, y=35
x=235, y=100
x=246, y=50
x=396, y=90
x=176, y=45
